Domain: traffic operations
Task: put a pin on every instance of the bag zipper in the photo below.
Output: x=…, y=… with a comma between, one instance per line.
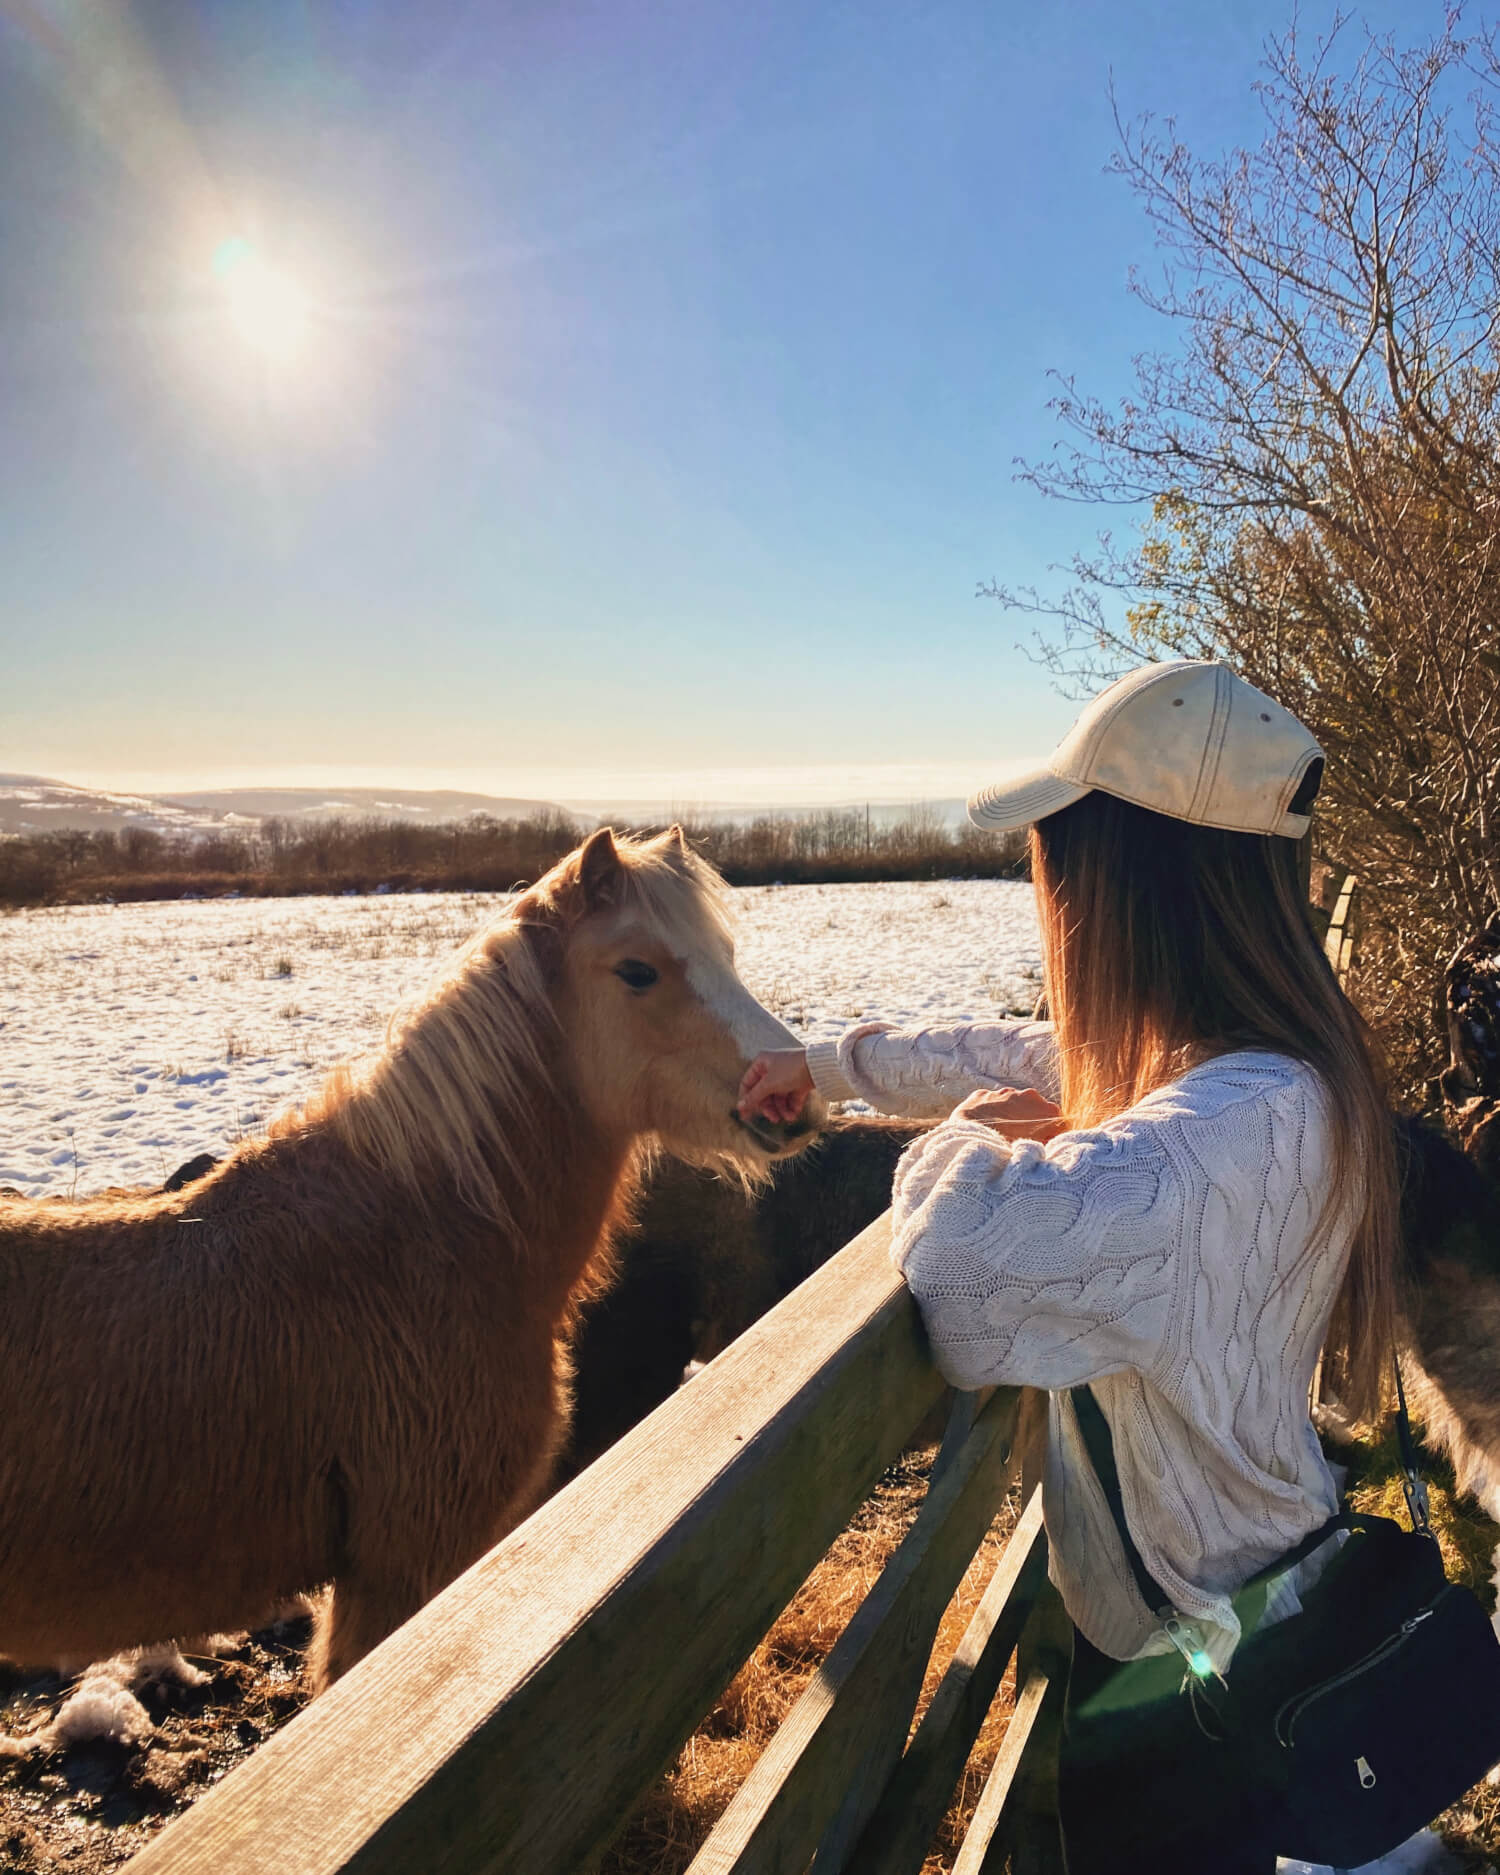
x=1292, y=1709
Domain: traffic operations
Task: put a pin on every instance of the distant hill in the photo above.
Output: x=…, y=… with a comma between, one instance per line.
x=418, y=804
x=632, y=813
x=391, y=839
x=37, y=804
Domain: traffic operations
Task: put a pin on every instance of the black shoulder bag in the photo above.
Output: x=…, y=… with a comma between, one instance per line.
x=1351, y=1724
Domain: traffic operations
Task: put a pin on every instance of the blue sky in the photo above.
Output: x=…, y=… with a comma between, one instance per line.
x=649, y=415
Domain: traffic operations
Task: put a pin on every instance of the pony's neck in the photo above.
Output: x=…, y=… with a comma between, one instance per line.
x=571, y=1209
x=469, y=1124
x=560, y=1219
x=506, y=1167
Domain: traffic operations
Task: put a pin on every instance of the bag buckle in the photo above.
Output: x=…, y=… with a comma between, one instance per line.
x=1184, y=1637
x=1414, y=1490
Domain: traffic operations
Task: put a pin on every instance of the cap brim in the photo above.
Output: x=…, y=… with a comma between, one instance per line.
x=1018, y=803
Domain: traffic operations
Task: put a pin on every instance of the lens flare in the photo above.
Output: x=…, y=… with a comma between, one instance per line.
x=270, y=312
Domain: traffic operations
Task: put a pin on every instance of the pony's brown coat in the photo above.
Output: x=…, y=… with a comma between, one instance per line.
x=334, y=1359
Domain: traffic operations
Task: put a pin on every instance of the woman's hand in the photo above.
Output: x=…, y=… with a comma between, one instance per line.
x=776, y=1085
x=1015, y=1112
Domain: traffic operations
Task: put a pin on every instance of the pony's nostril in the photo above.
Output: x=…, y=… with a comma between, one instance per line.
x=772, y=1134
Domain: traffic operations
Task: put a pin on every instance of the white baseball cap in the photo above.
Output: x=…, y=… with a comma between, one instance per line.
x=1190, y=739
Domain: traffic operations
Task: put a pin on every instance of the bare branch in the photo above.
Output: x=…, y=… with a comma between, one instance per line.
x=1317, y=447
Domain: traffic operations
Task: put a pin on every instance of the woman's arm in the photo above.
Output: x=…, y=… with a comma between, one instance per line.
x=920, y=1076
x=924, y=1074
x=1040, y=1265
x=776, y=1086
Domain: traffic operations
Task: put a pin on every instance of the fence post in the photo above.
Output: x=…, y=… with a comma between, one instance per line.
x=1046, y=1647
x=1338, y=945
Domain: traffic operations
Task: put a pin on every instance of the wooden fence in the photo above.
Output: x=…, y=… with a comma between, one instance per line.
x=516, y=1721
x=1338, y=942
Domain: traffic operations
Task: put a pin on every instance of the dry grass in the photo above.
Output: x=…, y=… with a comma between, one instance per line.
x=671, y=1825
x=1466, y=1536
x=42, y=1811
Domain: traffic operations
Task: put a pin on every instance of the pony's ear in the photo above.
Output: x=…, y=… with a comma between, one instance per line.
x=677, y=840
x=599, y=870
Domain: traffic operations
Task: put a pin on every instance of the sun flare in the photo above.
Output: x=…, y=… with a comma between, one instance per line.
x=268, y=310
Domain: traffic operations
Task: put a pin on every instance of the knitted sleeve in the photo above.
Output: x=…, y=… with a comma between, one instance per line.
x=924, y=1075
x=1038, y=1265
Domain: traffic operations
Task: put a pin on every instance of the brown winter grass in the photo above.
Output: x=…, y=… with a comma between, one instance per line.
x=87, y=1807
x=670, y=1826
x=45, y=1821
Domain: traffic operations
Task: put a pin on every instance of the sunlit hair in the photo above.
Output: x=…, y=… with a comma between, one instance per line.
x=1165, y=944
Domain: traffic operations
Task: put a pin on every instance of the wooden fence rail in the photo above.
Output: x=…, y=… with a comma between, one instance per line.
x=515, y=1722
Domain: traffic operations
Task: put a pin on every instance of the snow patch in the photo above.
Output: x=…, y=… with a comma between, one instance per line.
x=160, y=1668
x=104, y=1706
x=101, y=1706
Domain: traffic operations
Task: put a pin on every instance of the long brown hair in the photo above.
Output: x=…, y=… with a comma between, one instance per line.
x=1167, y=943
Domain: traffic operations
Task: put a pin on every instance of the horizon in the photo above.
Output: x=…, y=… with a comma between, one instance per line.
x=802, y=786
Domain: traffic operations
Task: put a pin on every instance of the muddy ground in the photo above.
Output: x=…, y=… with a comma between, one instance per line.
x=86, y=1807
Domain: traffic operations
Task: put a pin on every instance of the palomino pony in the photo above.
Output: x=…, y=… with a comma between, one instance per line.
x=336, y=1358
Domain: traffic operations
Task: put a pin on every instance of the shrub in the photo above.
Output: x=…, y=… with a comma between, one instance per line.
x=1317, y=453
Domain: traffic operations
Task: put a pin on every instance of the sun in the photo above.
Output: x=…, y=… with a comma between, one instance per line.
x=269, y=311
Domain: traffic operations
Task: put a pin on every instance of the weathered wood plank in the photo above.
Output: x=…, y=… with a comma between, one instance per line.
x=889, y=1738
x=983, y=1846
x=1046, y=1645
x=1031, y=1829
x=513, y=1722
x=900, y=1832
x=822, y=1774
x=1338, y=945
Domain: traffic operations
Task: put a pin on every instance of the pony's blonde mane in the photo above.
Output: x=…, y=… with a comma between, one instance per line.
x=468, y=1083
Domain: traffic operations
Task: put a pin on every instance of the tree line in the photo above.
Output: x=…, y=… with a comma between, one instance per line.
x=481, y=854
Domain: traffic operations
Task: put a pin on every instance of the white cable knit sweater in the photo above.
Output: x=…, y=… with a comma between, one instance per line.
x=1159, y=1257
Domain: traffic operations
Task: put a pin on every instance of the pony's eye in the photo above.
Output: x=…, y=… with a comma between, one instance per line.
x=635, y=974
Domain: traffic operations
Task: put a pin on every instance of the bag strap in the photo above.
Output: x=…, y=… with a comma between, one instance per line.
x=1100, y=1446
x=1098, y=1443
x=1413, y=1484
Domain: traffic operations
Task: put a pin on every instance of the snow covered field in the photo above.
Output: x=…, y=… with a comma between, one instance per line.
x=133, y=1037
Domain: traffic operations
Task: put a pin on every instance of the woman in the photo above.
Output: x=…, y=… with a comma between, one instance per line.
x=1175, y=1193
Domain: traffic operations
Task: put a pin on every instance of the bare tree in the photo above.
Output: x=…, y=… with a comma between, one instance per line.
x=1320, y=455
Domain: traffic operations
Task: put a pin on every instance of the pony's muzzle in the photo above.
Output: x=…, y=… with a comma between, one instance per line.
x=777, y=1138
